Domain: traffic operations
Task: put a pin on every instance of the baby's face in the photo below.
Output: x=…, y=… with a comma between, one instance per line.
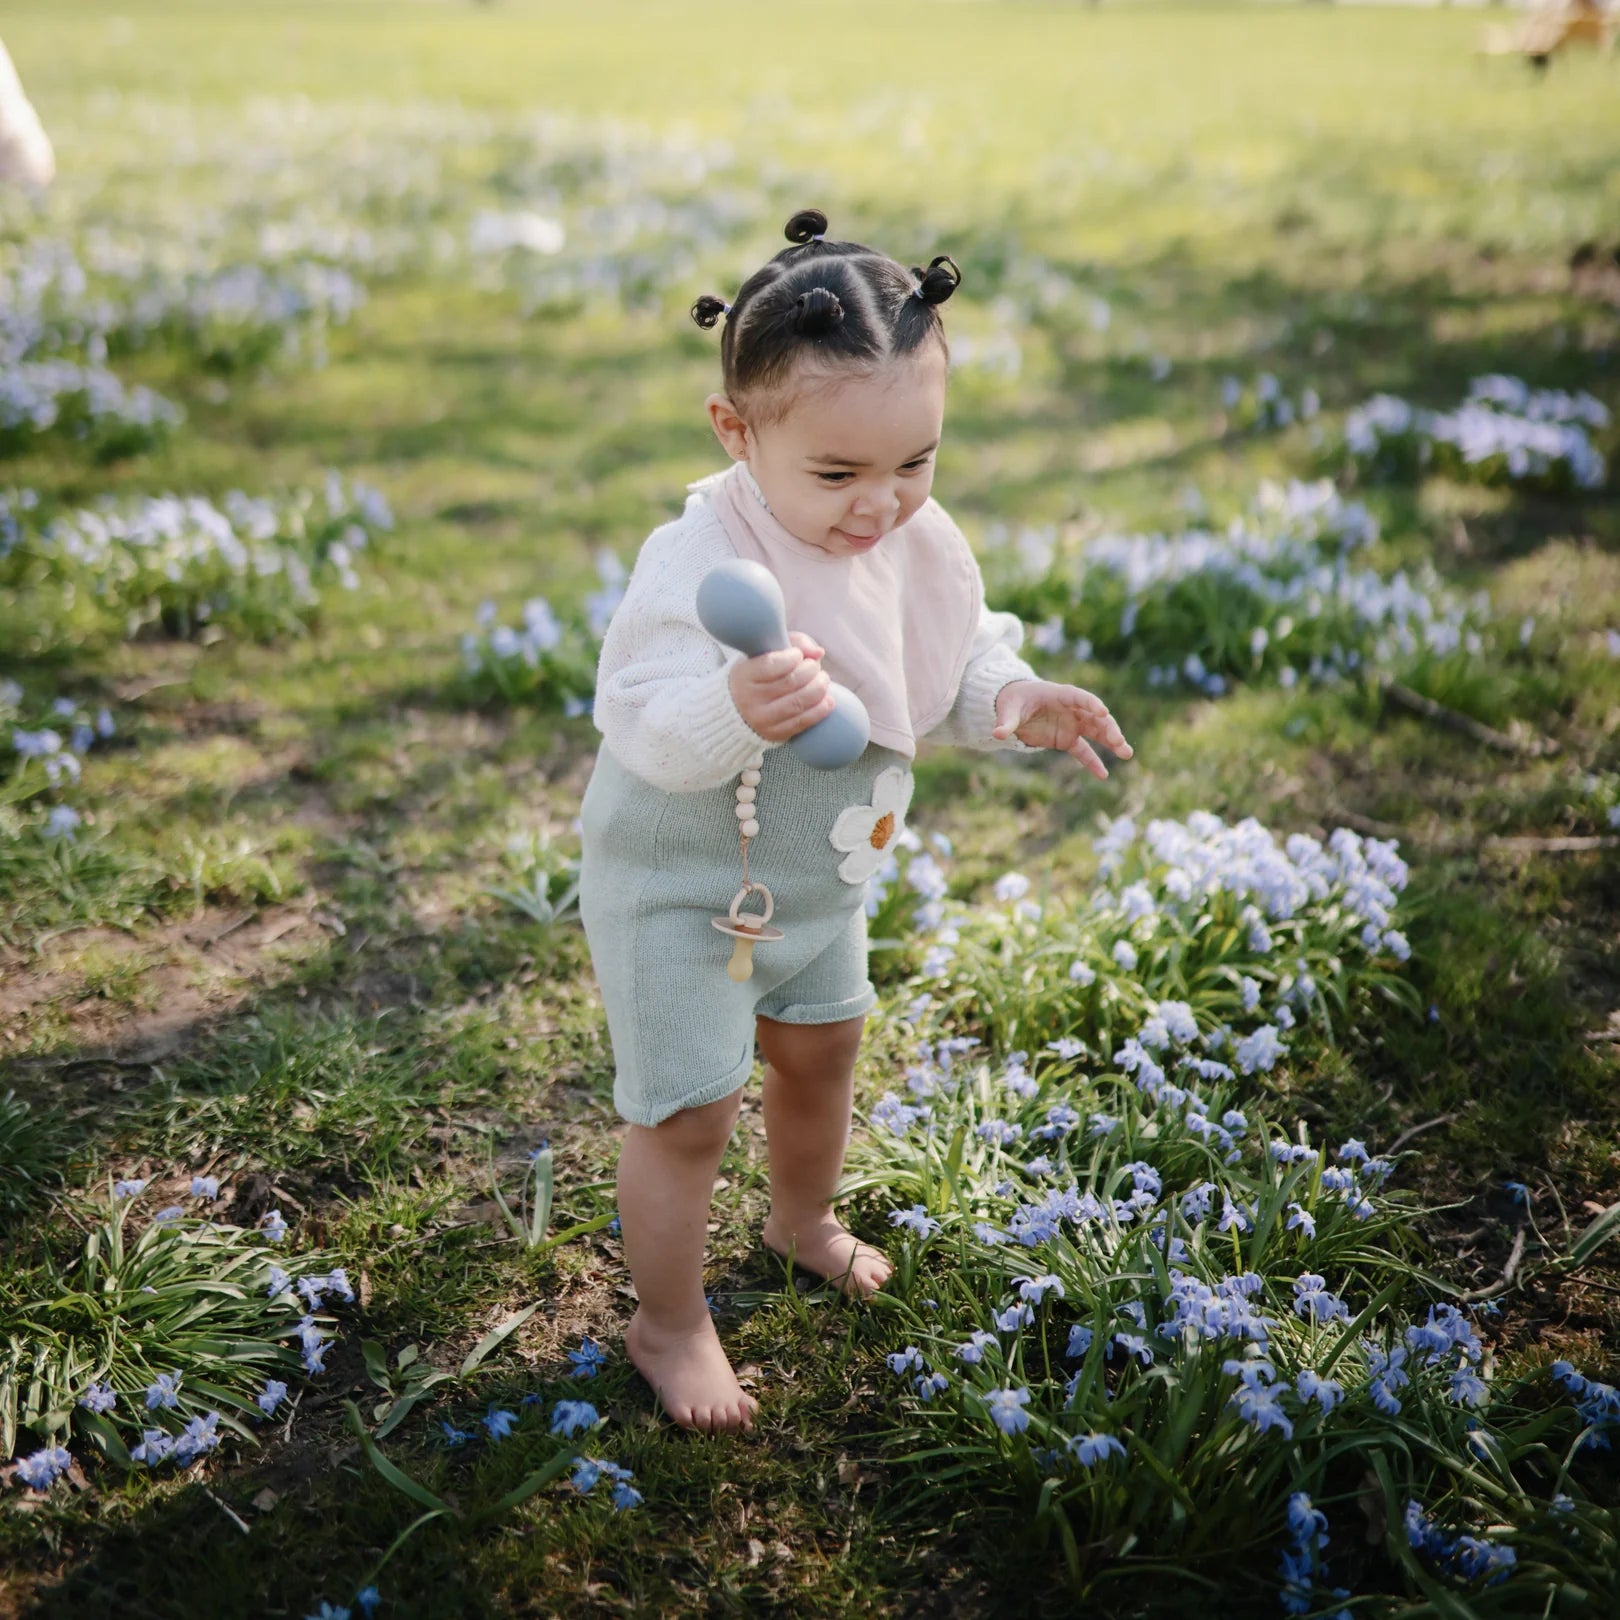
x=854, y=457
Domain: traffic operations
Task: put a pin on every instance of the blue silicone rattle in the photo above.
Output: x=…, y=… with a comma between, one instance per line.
x=740, y=604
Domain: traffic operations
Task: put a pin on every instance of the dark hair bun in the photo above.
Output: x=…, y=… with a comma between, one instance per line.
x=938, y=281
x=807, y=223
x=817, y=311
x=707, y=310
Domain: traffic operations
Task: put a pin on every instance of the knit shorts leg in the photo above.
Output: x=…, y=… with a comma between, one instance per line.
x=832, y=987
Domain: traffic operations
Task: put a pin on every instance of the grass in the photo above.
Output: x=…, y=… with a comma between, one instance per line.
x=275, y=953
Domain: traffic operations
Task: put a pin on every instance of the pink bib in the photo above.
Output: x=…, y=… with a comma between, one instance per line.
x=898, y=621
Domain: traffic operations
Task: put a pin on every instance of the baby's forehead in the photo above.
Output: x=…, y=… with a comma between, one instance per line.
x=857, y=416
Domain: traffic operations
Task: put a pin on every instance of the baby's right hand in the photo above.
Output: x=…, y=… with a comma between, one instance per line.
x=783, y=693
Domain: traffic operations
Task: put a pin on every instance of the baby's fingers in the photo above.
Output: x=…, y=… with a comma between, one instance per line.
x=1087, y=756
x=1100, y=725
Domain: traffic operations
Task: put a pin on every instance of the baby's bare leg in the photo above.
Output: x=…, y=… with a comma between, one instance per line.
x=809, y=1095
x=666, y=1182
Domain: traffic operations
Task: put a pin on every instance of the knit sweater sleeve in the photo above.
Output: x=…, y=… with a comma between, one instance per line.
x=993, y=661
x=663, y=694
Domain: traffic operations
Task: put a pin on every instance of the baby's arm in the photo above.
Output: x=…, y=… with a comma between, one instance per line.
x=664, y=702
x=993, y=662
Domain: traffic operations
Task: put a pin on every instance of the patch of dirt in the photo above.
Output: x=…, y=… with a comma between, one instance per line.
x=192, y=971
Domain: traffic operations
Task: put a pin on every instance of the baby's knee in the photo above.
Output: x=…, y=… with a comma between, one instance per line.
x=704, y=1129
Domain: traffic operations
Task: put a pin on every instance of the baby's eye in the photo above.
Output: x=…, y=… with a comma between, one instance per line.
x=832, y=478
x=917, y=465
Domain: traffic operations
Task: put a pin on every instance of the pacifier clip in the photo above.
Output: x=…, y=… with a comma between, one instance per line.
x=748, y=928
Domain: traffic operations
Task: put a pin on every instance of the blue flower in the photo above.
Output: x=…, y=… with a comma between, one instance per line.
x=200, y=1435
x=43, y=1467
x=1035, y=1289
x=1006, y=1407
x=569, y=1418
x=127, y=1189
x=905, y=1361
x=271, y=1396
x=99, y=1398
x=1259, y=1050
x=1133, y=1344
x=986, y=1233
x=1262, y=1408
x=164, y=1391
x=368, y=1599
x=205, y=1186
x=1080, y=1338
x=1092, y=1449
x=1305, y=1522
x=1013, y=1318
x=1303, y=1219
x=328, y=1611
x=973, y=1350
x=1521, y=1193
x=454, y=1436
x=500, y=1422
x=916, y=1218
x=274, y=1227
x=1311, y=1386
x=625, y=1496
x=586, y=1473
x=587, y=1358
x=1011, y=886
x=1313, y=1301
x=932, y=1384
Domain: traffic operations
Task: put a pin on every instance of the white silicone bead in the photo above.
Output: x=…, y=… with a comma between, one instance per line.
x=745, y=812
x=750, y=829
x=756, y=762
x=750, y=777
x=745, y=795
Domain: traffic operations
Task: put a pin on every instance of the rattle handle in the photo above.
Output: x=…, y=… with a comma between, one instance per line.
x=740, y=604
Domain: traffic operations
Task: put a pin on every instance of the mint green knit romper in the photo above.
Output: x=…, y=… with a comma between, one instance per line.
x=657, y=866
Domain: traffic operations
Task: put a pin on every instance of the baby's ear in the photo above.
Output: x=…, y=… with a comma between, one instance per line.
x=729, y=427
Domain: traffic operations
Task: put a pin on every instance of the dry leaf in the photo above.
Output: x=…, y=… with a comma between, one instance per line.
x=266, y=1500
x=756, y=1551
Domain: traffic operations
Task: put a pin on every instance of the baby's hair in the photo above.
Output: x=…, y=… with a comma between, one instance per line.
x=824, y=302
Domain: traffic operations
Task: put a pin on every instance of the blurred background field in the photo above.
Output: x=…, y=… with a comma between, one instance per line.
x=412, y=279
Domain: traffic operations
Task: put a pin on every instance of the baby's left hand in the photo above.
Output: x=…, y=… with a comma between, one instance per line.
x=1046, y=715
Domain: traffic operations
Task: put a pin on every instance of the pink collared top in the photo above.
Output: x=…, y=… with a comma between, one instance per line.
x=897, y=621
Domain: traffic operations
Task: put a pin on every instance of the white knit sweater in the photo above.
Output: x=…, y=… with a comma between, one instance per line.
x=663, y=691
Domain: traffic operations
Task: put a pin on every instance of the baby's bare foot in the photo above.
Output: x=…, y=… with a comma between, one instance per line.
x=821, y=1245
x=690, y=1375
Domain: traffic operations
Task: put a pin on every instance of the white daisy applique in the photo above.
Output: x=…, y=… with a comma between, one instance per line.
x=865, y=831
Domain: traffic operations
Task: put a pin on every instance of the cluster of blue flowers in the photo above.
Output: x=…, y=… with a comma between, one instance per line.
x=39, y=397
x=1265, y=405
x=1273, y=597
x=54, y=750
x=60, y=299
x=1301, y=1563
x=1598, y=1404
x=192, y=560
x=543, y=654
x=1472, y=1557
x=1504, y=430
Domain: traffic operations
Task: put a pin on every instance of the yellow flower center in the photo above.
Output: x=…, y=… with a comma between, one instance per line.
x=883, y=831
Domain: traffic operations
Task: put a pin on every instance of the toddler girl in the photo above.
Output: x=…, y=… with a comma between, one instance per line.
x=834, y=365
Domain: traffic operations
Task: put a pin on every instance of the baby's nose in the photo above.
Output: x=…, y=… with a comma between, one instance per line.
x=877, y=503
